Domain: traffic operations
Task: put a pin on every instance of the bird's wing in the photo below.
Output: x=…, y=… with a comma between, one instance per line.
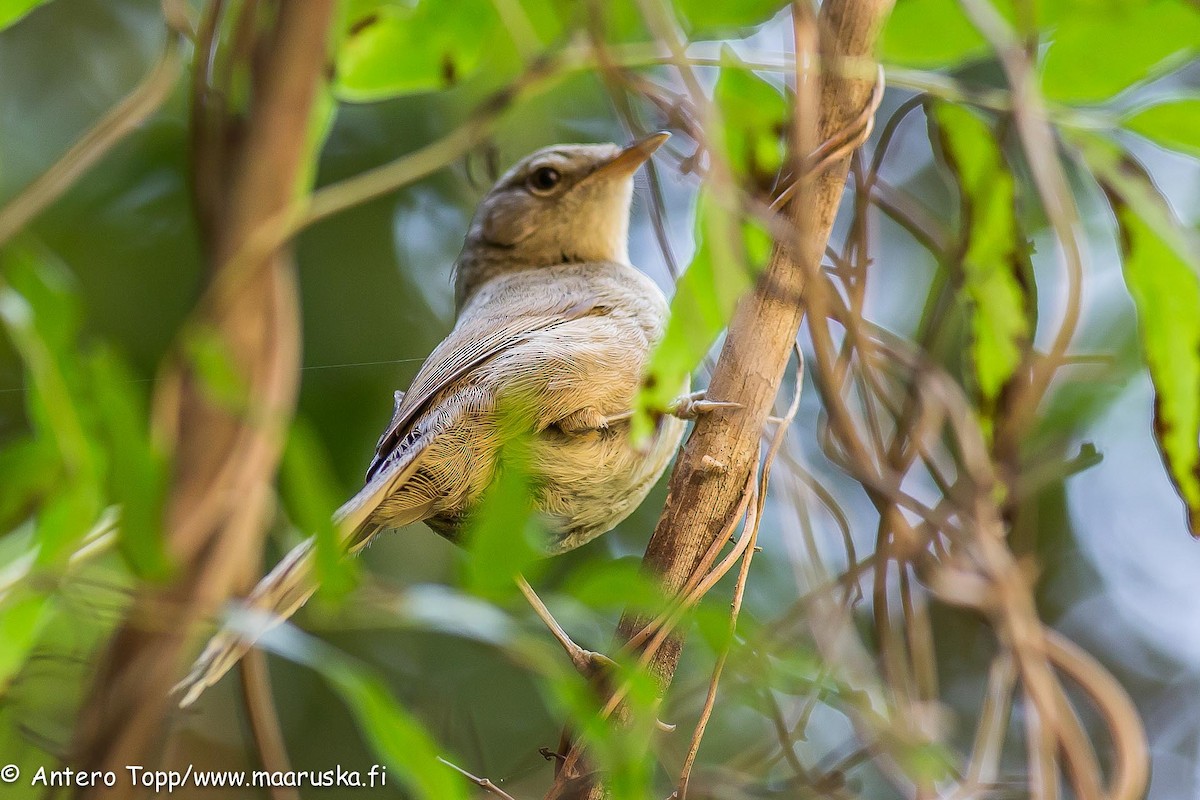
x=492, y=329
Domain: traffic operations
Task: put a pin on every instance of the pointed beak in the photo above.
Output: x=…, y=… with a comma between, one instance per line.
x=626, y=162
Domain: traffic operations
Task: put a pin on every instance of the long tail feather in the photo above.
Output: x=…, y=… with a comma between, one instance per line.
x=276, y=597
x=292, y=582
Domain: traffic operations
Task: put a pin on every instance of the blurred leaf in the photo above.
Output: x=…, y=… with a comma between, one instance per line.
x=50, y=292
x=11, y=11
x=64, y=518
x=705, y=18
x=320, y=124
x=995, y=253
x=619, y=752
x=1166, y=291
x=40, y=313
x=909, y=38
x=1174, y=124
x=1102, y=49
x=209, y=357
x=311, y=495
x=22, y=615
x=502, y=537
x=445, y=610
x=729, y=253
x=404, y=48
x=616, y=585
x=752, y=131
x=29, y=468
x=397, y=736
x=1121, y=175
x=138, y=471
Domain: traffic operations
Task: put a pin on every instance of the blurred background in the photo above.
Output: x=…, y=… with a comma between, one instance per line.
x=1116, y=569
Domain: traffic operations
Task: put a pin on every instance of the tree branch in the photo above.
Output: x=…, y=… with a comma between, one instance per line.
x=225, y=453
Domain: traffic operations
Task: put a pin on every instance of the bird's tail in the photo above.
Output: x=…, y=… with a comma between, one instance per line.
x=276, y=597
x=292, y=582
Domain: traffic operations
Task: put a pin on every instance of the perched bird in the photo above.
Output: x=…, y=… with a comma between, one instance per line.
x=555, y=326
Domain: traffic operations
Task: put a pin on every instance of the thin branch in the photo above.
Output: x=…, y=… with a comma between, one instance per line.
x=483, y=783
x=264, y=720
x=121, y=120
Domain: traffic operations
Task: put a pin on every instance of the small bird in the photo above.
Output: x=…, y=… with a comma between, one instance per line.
x=555, y=326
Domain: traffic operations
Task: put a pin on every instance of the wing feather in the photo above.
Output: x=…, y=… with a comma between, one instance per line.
x=477, y=338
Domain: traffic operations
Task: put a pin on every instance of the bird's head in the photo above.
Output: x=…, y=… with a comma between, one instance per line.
x=566, y=203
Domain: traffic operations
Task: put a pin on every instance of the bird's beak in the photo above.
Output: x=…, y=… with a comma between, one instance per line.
x=626, y=162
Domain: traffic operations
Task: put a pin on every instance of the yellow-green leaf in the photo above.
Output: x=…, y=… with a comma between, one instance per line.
x=1166, y=291
x=11, y=11
x=729, y=252
x=502, y=537
x=1101, y=49
x=396, y=735
x=993, y=249
x=404, y=48
x=1172, y=123
x=909, y=39
x=310, y=494
x=705, y=18
x=752, y=119
x=22, y=616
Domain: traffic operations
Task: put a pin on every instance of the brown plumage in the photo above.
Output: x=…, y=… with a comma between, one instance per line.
x=555, y=326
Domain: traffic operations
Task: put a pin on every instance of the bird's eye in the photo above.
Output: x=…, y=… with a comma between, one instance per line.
x=544, y=179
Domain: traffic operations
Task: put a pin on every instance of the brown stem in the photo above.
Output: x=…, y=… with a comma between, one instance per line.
x=224, y=455
x=264, y=721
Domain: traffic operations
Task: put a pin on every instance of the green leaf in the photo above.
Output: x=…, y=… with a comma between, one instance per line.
x=11, y=11
x=40, y=314
x=995, y=252
x=909, y=39
x=29, y=469
x=22, y=615
x=1166, y=291
x=705, y=18
x=752, y=124
x=396, y=735
x=729, y=253
x=616, y=585
x=1174, y=124
x=1102, y=49
x=503, y=539
x=138, y=470
x=310, y=494
x=1121, y=175
x=209, y=357
x=405, y=48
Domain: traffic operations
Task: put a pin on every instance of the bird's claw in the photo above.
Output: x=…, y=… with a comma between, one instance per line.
x=592, y=665
x=693, y=405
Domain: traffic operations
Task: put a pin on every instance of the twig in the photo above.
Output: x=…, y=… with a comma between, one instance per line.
x=121, y=120
x=482, y=783
x=264, y=720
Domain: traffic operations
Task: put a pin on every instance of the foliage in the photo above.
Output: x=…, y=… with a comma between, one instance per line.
x=927, y=469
